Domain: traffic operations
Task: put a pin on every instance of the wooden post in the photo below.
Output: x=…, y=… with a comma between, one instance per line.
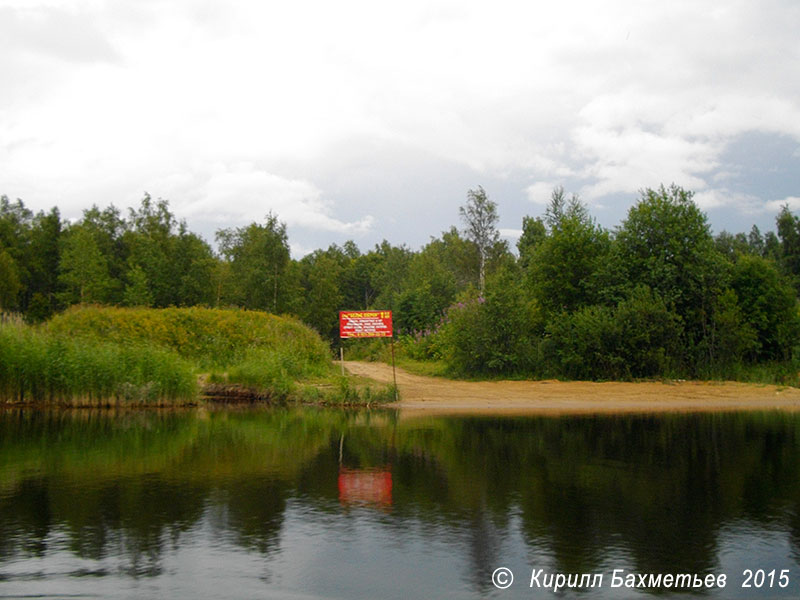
x=341, y=358
x=394, y=372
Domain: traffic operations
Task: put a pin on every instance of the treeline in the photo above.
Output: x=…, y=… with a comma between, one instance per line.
x=657, y=296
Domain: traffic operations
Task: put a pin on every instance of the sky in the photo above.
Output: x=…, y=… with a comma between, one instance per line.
x=370, y=120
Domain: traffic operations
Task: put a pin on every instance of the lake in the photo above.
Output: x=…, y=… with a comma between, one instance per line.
x=311, y=504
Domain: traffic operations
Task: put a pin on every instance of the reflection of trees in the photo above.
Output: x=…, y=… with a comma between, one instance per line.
x=139, y=514
x=254, y=513
x=25, y=520
x=655, y=490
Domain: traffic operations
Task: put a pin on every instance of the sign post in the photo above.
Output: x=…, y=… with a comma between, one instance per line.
x=367, y=324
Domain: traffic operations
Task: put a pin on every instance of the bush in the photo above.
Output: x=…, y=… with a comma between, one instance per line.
x=637, y=338
x=491, y=335
x=586, y=344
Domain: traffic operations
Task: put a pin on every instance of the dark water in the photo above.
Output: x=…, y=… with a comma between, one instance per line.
x=324, y=504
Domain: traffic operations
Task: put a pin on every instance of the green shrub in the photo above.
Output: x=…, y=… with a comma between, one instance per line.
x=492, y=334
x=637, y=338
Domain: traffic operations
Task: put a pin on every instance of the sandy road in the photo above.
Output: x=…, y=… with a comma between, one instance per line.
x=435, y=395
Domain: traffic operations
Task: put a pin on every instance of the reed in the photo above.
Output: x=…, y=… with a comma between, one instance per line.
x=39, y=366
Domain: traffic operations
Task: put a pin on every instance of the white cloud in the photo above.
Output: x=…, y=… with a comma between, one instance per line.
x=775, y=205
x=541, y=192
x=511, y=234
x=242, y=193
x=226, y=107
x=724, y=198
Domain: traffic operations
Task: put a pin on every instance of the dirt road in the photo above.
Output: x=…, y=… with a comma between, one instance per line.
x=433, y=395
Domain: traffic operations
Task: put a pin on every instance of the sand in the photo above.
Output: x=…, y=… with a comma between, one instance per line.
x=435, y=395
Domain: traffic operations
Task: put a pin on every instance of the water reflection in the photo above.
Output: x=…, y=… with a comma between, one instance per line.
x=346, y=504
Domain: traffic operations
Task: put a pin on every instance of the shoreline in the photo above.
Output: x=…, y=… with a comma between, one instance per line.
x=422, y=396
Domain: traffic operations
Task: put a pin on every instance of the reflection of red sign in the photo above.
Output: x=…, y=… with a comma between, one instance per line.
x=358, y=486
x=365, y=323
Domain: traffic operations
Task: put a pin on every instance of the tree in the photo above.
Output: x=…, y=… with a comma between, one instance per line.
x=108, y=228
x=137, y=292
x=491, y=333
x=194, y=262
x=480, y=217
x=43, y=258
x=534, y=233
x=391, y=272
x=9, y=282
x=258, y=255
x=768, y=303
x=665, y=243
x=83, y=269
x=323, y=297
x=789, y=234
x=153, y=242
x=32, y=241
x=563, y=266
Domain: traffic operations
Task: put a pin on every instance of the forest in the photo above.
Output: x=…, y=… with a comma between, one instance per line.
x=657, y=296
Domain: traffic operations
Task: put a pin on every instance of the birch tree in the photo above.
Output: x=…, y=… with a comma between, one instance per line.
x=480, y=217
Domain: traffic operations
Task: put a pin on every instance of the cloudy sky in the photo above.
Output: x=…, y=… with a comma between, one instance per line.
x=368, y=120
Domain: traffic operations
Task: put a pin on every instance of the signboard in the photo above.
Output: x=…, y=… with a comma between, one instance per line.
x=365, y=323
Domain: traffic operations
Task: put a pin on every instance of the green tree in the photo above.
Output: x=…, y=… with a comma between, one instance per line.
x=151, y=240
x=732, y=246
x=43, y=257
x=480, y=218
x=534, y=233
x=137, y=292
x=323, y=297
x=768, y=304
x=730, y=338
x=359, y=280
x=390, y=272
x=32, y=241
x=665, y=243
x=108, y=228
x=563, y=268
x=194, y=262
x=492, y=333
x=258, y=257
x=636, y=338
x=83, y=269
x=459, y=256
x=9, y=282
x=789, y=235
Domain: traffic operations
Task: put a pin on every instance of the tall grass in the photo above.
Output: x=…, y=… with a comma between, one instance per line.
x=211, y=337
x=39, y=366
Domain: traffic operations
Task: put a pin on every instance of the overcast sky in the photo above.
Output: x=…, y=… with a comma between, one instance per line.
x=368, y=120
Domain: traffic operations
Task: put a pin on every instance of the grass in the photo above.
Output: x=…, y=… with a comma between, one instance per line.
x=38, y=366
x=214, y=338
x=93, y=355
x=428, y=368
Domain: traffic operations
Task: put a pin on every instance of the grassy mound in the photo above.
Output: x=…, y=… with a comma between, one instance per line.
x=214, y=338
x=99, y=355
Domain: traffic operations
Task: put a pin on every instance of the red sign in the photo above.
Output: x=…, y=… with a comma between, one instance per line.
x=365, y=323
